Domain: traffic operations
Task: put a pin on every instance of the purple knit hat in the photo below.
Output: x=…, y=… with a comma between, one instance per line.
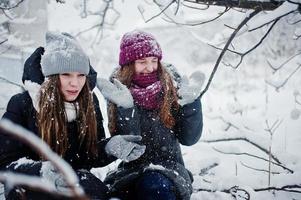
x=136, y=45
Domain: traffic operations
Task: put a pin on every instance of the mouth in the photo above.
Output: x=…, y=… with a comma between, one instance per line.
x=72, y=92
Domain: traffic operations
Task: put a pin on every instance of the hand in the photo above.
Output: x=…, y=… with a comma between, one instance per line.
x=190, y=89
x=49, y=173
x=125, y=147
x=32, y=67
x=116, y=92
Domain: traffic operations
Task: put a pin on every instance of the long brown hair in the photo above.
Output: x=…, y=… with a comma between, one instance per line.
x=52, y=117
x=169, y=102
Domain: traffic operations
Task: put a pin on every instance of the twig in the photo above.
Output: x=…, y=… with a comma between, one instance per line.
x=254, y=13
x=242, y=55
x=286, y=188
x=254, y=156
x=198, y=23
x=277, y=87
x=229, y=124
x=235, y=191
x=282, y=64
x=162, y=11
x=277, y=18
x=246, y=140
x=256, y=169
x=206, y=169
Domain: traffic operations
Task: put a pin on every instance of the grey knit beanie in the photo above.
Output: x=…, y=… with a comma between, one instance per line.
x=62, y=55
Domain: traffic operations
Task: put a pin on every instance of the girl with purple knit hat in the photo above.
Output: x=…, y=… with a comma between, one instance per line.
x=150, y=99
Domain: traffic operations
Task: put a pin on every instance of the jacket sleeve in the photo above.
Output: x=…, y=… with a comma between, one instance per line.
x=103, y=158
x=128, y=121
x=11, y=149
x=189, y=123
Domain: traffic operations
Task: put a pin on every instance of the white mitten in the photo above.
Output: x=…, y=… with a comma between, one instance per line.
x=115, y=92
x=190, y=89
x=125, y=147
x=49, y=173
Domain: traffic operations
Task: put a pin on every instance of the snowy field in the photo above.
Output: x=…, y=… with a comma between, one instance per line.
x=245, y=117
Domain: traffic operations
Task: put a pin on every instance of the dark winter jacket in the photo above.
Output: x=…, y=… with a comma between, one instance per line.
x=20, y=110
x=163, y=152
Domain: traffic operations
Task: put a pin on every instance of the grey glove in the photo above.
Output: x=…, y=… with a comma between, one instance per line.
x=115, y=92
x=190, y=89
x=49, y=173
x=125, y=147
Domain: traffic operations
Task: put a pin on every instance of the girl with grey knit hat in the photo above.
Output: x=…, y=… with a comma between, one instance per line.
x=150, y=99
x=60, y=107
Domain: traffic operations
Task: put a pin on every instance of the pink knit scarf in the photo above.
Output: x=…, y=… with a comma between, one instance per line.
x=146, y=90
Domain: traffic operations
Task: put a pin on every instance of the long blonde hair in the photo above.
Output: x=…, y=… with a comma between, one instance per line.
x=169, y=102
x=52, y=118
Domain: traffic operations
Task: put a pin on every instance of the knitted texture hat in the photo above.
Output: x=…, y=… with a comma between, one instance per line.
x=137, y=45
x=62, y=55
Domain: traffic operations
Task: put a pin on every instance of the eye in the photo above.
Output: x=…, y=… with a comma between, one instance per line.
x=65, y=74
x=140, y=61
x=81, y=75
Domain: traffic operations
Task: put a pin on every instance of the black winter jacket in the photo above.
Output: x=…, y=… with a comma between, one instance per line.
x=20, y=110
x=163, y=152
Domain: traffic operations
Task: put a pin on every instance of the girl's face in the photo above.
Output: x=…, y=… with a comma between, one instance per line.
x=146, y=65
x=71, y=84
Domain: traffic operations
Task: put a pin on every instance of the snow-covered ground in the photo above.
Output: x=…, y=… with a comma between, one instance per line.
x=243, y=115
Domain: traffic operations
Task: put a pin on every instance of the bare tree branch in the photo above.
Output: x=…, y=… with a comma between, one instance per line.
x=254, y=156
x=246, y=140
x=198, y=23
x=242, y=55
x=162, y=10
x=108, y=6
x=262, y=5
x=229, y=124
x=206, y=169
x=273, y=128
x=276, y=19
x=256, y=169
x=3, y=41
x=235, y=191
x=286, y=188
x=254, y=13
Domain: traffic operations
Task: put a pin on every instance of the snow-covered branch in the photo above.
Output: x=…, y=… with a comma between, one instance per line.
x=44, y=150
x=279, y=84
x=12, y=179
x=276, y=68
x=8, y=6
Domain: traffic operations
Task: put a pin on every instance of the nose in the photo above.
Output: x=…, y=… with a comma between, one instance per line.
x=74, y=82
x=149, y=68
